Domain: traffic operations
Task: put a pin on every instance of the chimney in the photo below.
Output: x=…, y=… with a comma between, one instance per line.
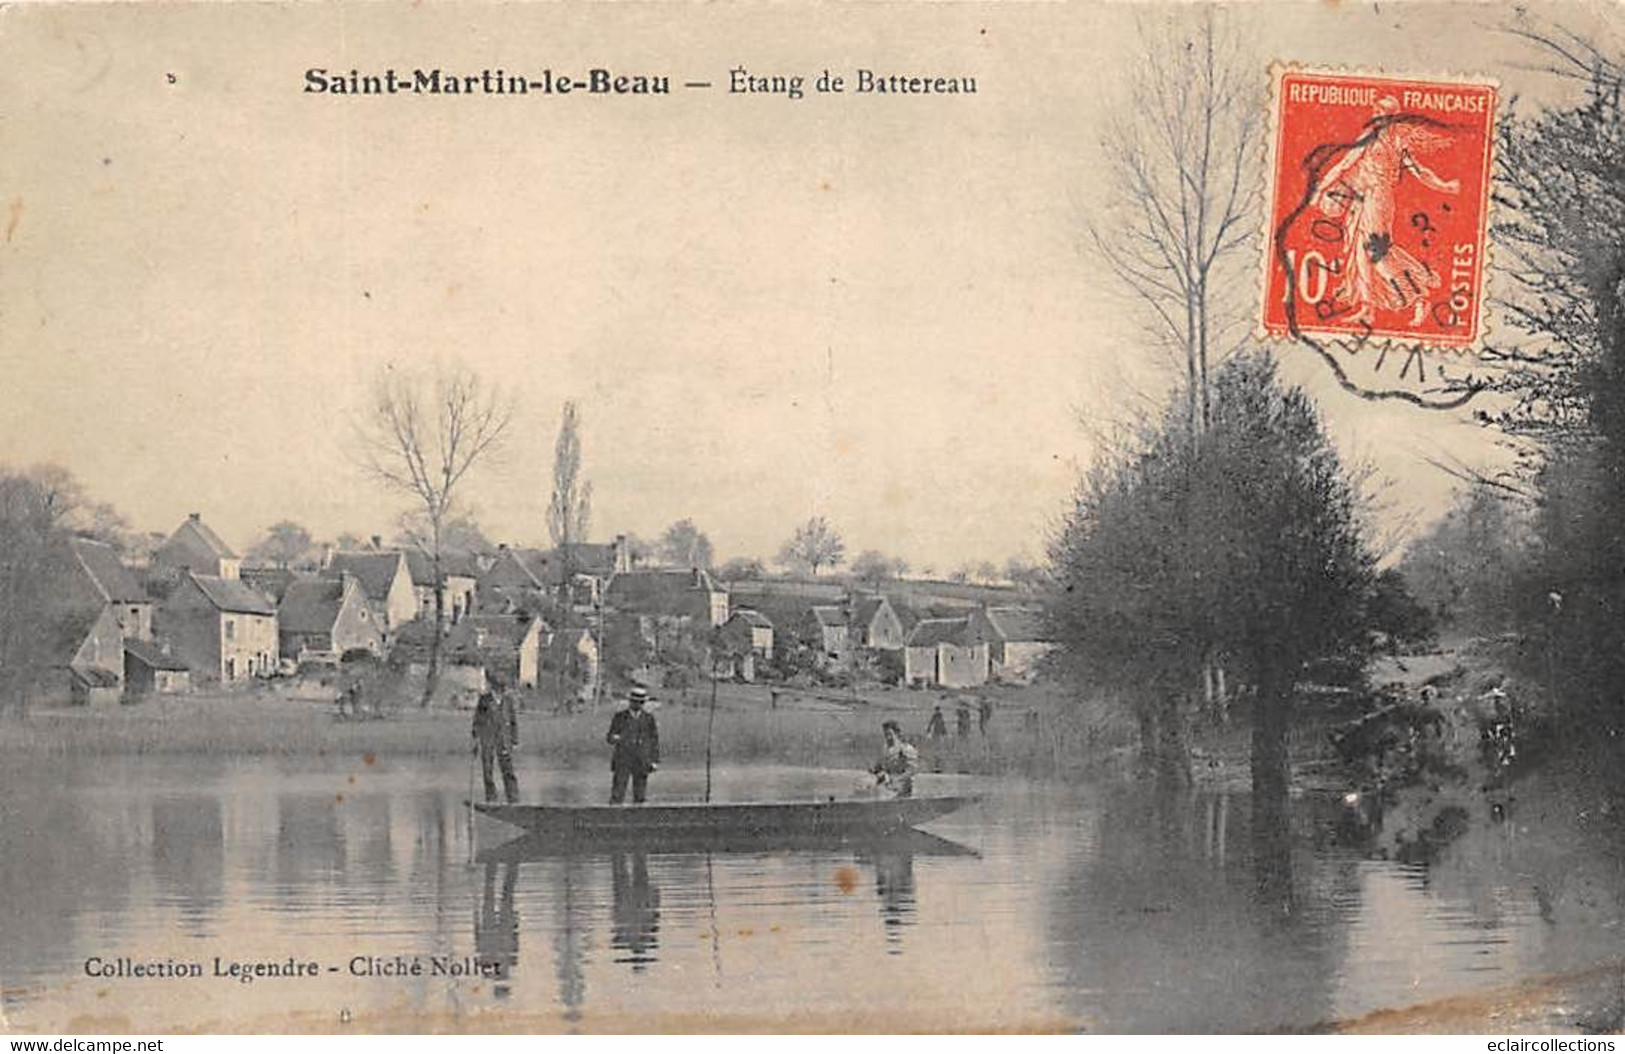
x=502, y=547
x=623, y=558
x=377, y=541
x=195, y=517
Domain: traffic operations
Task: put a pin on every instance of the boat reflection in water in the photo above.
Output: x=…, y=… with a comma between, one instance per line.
x=570, y=868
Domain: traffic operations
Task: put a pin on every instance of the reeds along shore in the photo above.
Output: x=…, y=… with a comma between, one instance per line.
x=262, y=725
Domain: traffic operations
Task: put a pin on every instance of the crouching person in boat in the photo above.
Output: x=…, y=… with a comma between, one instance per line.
x=636, y=743
x=897, y=766
x=496, y=737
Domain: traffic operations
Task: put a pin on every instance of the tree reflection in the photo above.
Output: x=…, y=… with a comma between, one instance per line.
x=1193, y=913
x=188, y=853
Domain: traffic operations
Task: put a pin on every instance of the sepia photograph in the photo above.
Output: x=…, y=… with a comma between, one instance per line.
x=561, y=518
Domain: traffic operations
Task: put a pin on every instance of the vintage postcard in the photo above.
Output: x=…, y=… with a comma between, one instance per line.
x=803, y=517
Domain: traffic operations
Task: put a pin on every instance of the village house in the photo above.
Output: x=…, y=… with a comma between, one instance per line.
x=825, y=629
x=506, y=644
x=749, y=630
x=224, y=630
x=195, y=547
x=747, y=638
x=947, y=652
x=876, y=625
x=576, y=651
x=667, y=604
x=150, y=669
x=590, y=565
x=460, y=575
x=108, y=607
x=479, y=644
x=518, y=580
x=324, y=618
x=1016, y=640
x=385, y=582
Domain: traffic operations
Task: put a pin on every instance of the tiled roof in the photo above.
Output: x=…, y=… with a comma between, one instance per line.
x=829, y=615
x=660, y=592
x=209, y=538
x=310, y=605
x=228, y=594
x=420, y=564
x=589, y=558
x=751, y=618
x=95, y=676
x=152, y=655
x=507, y=631
x=1018, y=624
x=865, y=609
x=375, y=571
x=928, y=633
x=531, y=566
x=112, y=579
x=272, y=581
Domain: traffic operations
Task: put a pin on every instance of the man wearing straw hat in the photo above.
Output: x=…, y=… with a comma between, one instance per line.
x=636, y=740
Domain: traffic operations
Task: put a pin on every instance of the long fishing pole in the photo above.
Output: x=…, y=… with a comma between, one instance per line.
x=710, y=723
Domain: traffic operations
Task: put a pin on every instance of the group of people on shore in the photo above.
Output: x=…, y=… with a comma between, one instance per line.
x=634, y=741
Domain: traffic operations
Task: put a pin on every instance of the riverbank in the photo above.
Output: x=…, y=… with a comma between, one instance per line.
x=1033, y=729
x=1588, y=1002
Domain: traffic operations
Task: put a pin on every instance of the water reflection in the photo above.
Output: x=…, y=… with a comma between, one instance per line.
x=496, y=926
x=636, y=910
x=894, y=882
x=189, y=854
x=1099, y=905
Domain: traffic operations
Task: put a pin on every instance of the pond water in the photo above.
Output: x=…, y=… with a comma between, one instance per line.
x=1087, y=906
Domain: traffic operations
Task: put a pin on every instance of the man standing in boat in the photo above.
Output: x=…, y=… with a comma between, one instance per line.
x=897, y=766
x=496, y=736
x=636, y=739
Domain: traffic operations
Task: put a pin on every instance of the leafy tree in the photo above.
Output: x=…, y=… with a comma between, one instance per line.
x=284, y=543
x=1463, y=570
x=684, y=545
x=639, y=551
x=874, y=568
x=741, y=568
x=1561, y=191
x=37, y=629
x=1025, y=575
x=814, y=545
x=1249, y=543
x=460, y=533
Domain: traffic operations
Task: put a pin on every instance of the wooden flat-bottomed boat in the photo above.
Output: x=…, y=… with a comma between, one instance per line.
x=686, y=821
x=905, y=841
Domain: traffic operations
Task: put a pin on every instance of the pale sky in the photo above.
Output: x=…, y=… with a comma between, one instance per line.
x=881, y=310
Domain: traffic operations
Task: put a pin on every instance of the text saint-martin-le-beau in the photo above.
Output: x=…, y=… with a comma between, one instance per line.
x=321, y=81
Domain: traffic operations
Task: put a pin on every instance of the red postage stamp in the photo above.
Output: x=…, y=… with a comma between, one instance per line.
x=1379, y=201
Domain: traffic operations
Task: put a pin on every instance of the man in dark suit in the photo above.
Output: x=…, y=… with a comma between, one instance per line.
x=636, y=740
x=496, y=736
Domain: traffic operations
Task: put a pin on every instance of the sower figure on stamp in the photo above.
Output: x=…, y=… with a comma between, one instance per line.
x=496, y=736
x=1378, y=273
x=636, y=739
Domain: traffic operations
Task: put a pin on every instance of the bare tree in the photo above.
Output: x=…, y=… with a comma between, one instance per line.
x=814, y=544
x=1183, y=201
x=569, y=515
x=421, y=436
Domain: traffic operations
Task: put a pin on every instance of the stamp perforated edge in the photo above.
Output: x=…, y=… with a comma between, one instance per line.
x=1270, y=151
